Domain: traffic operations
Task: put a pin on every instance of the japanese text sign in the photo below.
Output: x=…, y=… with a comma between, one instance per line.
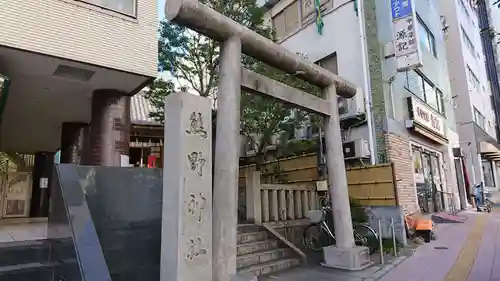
x=401, y=8
x=405, y=41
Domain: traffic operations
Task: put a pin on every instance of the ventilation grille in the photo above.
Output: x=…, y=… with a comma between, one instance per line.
x=73, y=73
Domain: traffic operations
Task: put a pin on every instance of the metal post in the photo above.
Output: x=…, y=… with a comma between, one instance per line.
x=336, y=174
x=227, y=144
x=393, y=233
x=380, y=242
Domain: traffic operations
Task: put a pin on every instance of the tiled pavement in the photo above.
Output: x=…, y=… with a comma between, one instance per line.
x=462, y=252
x=487, y=263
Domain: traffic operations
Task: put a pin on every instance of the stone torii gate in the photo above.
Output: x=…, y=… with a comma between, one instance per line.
x=236, y=39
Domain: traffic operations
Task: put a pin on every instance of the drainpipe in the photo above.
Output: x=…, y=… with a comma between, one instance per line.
x=367, y=88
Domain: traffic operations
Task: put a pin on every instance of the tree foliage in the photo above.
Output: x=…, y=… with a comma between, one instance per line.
x=193, y=59
x=156, y=96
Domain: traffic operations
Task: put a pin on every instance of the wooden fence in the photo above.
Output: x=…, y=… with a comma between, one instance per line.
x=370, y=185
x=373, y=185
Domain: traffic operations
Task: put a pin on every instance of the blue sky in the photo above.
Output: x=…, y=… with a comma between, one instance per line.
x=161, y=9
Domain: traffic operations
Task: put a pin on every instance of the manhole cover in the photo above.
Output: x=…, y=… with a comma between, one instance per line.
x=440, y=248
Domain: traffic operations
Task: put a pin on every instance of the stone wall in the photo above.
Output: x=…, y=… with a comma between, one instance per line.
x=125, y=204
x=125, y=207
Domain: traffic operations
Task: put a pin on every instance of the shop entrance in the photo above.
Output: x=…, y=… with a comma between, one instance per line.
x=24, y=184
x=16, y=180
x=428, y=179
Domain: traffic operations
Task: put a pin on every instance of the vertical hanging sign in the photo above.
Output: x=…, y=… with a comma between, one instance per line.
x=406, y=44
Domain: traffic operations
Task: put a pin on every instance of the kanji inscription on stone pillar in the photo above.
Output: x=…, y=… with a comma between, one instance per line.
x=186, y=249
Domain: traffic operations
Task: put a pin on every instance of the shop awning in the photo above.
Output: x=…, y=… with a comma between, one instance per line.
x=488, y=146
x=489, y=151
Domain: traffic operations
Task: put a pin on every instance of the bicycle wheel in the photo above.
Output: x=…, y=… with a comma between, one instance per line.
x=367, y=237
x=315, y=238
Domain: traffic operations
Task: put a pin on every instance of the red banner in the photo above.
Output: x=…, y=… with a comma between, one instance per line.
x=151, y=161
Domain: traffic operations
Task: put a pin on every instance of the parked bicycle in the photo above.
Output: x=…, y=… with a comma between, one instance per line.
x=488, y=205
x=321, y=233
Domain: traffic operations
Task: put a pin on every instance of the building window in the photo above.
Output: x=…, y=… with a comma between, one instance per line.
x=297, y=14
x=126, y=7
x=329, y=63
x=489, y=180
x=426, y=37
x=308, y=9
x=464, y=9
x=473, y=80
x=468, y=42
x=286, y=21
x=440, y=99
x=421, y=87
x=479, y=118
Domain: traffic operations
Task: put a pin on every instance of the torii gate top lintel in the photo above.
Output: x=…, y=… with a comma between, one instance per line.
x=199, y=17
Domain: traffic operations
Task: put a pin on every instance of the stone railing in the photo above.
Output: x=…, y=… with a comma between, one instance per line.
x=278, y=203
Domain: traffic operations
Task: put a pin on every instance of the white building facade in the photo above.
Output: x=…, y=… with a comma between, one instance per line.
x=68, y=69
x=383, y=116
x=475, y=117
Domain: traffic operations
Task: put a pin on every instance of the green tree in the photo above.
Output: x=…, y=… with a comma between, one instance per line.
x=156, y=95
x=194, y=59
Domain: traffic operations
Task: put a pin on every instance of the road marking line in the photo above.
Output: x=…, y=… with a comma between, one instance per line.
x=463, y=264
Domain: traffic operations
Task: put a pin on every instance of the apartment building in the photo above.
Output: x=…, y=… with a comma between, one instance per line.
x=71, y=66
x=400, y=115
x=489, y=26
x=471, y=94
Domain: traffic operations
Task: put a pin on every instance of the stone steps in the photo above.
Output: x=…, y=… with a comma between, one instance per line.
x=270, y=267
x=260, y=254
x=251, y=237
x=262, y=257
x=249, y=248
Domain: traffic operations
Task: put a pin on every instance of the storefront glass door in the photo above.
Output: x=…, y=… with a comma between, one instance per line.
x=427, y=179
x=17, y=191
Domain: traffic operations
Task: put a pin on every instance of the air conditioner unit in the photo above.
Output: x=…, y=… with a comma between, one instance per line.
x=356, y=149
x=349, y=108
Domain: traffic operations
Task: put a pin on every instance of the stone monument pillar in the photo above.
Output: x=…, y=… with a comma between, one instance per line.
x=186, y=247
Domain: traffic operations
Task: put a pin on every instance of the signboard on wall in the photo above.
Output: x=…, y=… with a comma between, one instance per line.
x=426, y=117
x=405, y=36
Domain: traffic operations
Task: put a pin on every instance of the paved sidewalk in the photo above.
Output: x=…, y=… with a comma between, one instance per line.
x=433, y=261
x=487, y=263
x=468, y=251
x=472, y=254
